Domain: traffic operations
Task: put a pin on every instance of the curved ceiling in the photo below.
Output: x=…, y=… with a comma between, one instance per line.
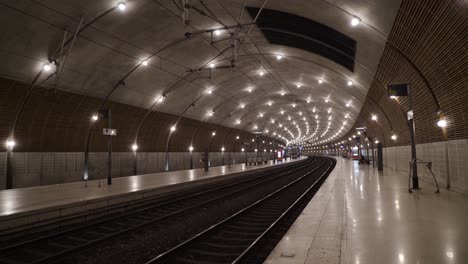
x=136, y=55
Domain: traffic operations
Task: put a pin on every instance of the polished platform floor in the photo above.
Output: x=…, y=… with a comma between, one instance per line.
x=361, y=216
x=42, y=197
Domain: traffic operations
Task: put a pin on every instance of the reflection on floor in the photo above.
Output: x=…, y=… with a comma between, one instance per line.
x=361, y=216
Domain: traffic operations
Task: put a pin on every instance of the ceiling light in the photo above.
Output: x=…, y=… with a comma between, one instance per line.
x=217, y=32
x=355, y=21
x=261, y=73
x=122, y=6
x=442, y=123
x=282, y=112
x=134, y=147
x=376, y=141
x=145, y=62
x=350, y=83
x=212, y=65
x=222, y=149
x=238, y=121
x=10, y=143
x=270, y=103
x=46, y=67
x=282, y=93
x=242, y=149
x=214, y=133
x=261, y=115
x=393, y=97
x=347, y=105
x=374, y=117
x=191, y=148
x=94, y=117
x=279, y=57
x=210, y=92
x=249, y=90
x=237, y=137
x=320, y=81
x=294, y=105
x=393, y=137
x=173, y=128
x=298, y=85
x=326, y=100
x=242, y=105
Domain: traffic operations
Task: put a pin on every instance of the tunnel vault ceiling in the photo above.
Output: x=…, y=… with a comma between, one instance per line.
x=137, y=55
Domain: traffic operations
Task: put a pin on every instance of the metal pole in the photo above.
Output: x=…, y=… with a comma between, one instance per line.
x=134, y=162
x=206, y=159
x=109, y=151
x=191, y=159
x=9, y=172
x=414, y=165
x=379, y=157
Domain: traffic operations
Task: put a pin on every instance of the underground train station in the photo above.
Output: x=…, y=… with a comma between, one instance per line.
x=234, y=131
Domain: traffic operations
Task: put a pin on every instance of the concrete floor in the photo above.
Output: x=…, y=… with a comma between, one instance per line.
x=361, y=216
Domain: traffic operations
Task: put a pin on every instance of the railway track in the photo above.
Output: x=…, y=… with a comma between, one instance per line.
x=239, y=237
x=52, y=247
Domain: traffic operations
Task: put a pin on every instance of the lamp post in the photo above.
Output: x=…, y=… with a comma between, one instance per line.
x=404, y=90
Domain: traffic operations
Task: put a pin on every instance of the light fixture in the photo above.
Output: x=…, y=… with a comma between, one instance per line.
x=94, y=117
x=282, y=93
x=242, y=149
x=261, y=115
x=350, y=83
x=326, y=100
x=46, y=67
x=253, y=140
x=355, y=21
x=122, y=6
x=347, y=105
x=282, y=112
x=211, y=113
x=242, y=105
x=294, y=105
x=10, y=143
x=279, y=57
x=217, y=32
x=210, y=92
x=320, y=81
x=270, y=103
x=261, y=73
x=249, y=90
x=222, y=149
x=298, y=85
x=393, y=137
x=376, y=141
x=237, y=137
x=374, y=117
x=393, y=97
x=191, y=148
x=256, y=150
x=134, y=147
x=212, y=65
x=144, y=63
x=442, y=123
x=213, y=134
x=238, y=121
x=173, y=128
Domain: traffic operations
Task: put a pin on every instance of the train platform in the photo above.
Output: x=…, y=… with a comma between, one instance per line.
x=27, y=206
x=362, y=216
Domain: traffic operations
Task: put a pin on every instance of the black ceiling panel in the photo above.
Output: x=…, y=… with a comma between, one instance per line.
x=286, y=29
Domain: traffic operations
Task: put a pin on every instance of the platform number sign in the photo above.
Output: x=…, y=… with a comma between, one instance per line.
x=109, y=132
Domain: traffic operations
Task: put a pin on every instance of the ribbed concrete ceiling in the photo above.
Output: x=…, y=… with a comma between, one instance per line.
x=113, y=47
